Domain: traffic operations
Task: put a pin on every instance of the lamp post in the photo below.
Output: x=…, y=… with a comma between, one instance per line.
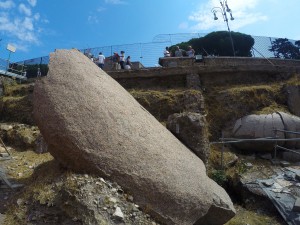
x=224, y=9
x=11, y=49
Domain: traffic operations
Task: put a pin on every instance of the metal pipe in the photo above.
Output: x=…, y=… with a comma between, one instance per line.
x=271, y=139
x=287, y=131
x=289, y=150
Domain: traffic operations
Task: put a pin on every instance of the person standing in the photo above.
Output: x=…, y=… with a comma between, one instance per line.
x=39, y=73
x=122, y=60
x=115, y=61
x=167, y=52
x=101, y=60
x=128, y=63
x=178, y=52
x=190, y=52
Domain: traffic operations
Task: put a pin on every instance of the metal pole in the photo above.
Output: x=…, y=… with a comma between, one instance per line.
x=226, y=20
x=230, y=38
x=4, y=146
x=7, y=65
x=222, y=153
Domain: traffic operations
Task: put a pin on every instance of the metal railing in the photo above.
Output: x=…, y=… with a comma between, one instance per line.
x=149, y=53
x=223, y=141
x=12, y=69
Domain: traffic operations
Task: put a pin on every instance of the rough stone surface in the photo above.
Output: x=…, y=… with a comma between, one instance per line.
x=293, y=95
x=191, y=129
x=41, y=145
x=92, y=124
x=194, y=102
x=264, y=126
x=193, y=81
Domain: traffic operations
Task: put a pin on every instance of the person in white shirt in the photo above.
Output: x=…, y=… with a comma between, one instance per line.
x=167, y=52
x=190, y=52
x=101, y=60
x=122, y=60
x=128, y=63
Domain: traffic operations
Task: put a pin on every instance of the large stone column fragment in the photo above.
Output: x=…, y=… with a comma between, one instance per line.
x=94, y=125
x=264, y=126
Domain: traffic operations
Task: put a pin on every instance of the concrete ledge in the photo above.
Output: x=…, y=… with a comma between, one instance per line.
x=226, y=61
x=200, y=69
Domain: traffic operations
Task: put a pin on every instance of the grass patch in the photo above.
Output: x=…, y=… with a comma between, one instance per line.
x=161, y=104
x=244, y=216
x=226, y=106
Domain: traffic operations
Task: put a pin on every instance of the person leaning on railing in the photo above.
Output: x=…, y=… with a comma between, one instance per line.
x=167, y=52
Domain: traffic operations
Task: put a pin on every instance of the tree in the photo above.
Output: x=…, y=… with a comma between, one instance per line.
x=285, y=49
x=219, y=43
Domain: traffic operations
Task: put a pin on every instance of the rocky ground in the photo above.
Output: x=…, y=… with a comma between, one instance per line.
x=53, y=195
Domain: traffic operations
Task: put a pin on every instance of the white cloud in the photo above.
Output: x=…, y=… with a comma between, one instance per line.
x=32, y=2
x=19, y=24
x=7, y=4
x=27, y=23
x=93, y=19
x=203, y=18
x=115, y=2
x=37, y=16
x=22, y=29
x=101, y=9
x=24, y=9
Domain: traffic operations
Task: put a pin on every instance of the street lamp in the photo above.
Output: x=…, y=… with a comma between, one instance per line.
x=224, y=9
x=11, y=49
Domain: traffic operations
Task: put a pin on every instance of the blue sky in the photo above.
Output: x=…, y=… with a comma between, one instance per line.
x=37, y=27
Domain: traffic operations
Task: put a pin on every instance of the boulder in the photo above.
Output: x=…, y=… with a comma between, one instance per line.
x=92, y=124
x=191, y=129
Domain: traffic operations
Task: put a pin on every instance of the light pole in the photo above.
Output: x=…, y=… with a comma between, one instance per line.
x=11, y=49
x=224, y=9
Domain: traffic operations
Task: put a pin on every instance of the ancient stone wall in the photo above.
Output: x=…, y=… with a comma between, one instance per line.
x=226, y=61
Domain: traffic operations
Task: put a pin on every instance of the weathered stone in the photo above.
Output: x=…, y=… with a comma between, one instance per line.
x=92, y=124
x=264, y=126
x=19, y=135
x=193, y=81
x=293, y=96
x=194, y=102
x=118, y=213
x=41, y=145
x=191, y=129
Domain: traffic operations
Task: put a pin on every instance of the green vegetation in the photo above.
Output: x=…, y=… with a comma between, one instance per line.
x=219, y=43
x=283, y=48
x=16, y=103
x=218, y=176
x=32, y=70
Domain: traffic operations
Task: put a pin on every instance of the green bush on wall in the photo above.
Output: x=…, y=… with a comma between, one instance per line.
x=219, y=44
